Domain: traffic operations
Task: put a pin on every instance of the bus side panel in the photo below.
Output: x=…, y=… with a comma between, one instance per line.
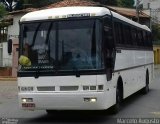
x=131, y=65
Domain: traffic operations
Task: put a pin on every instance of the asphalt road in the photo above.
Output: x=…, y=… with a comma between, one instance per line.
x=138, y=108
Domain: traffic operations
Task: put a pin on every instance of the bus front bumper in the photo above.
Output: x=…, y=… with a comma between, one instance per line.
x=66, y=101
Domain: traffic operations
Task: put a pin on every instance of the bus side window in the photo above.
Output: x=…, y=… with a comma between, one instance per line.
x=128, y=33
x=150, y=39
x=121, y=33
x=108, y=33
x=124, y=35
x=144, y=38
x=118, y=32
x=116, y=27
x=134, y=37
x=140, y=38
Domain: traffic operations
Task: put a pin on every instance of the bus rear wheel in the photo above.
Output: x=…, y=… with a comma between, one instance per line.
x=145, y=90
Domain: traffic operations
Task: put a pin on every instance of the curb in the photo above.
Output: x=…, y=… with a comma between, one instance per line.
x=8, y=79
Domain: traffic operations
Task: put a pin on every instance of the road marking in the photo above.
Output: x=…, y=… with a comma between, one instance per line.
x=156, y=113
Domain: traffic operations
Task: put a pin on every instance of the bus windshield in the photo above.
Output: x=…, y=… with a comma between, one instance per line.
x=62, y=45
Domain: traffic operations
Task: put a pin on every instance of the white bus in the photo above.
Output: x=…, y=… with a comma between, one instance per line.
x=81, y=58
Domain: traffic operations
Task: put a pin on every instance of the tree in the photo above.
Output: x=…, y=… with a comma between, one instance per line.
x=126, y=3
x=19, y=5
x=9, y=4
x=2, y=11
x=156, y=32
x=107, y=2
x=39, y=3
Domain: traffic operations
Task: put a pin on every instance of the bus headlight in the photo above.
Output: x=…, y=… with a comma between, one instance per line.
x=25, y=100
x=90, y=100
x=24, y=89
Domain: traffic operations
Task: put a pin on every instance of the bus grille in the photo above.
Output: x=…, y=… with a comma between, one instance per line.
x=46, y=88
x=68, y=88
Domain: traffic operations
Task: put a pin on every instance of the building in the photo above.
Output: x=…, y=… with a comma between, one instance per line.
x=4, y=57
x=130, y=13
x=13, y=33
x=152, y=8
x=9, y=27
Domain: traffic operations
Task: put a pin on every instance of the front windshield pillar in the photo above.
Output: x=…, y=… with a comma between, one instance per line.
x=57, y=44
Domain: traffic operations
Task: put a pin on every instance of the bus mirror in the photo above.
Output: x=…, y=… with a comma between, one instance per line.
x=9, y=46
x=24, y=32
x=109, y=68
x=109, y=74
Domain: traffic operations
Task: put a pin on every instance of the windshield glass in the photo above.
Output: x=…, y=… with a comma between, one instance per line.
x=62, y=45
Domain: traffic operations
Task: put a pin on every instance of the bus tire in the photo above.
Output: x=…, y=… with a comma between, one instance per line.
x=51, y=112
x=145, y=90
x=115, y=108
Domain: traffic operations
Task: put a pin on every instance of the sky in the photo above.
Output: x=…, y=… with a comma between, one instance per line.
x=135, y=2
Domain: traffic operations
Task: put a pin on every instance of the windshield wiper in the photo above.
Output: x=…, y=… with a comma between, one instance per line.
x=77, y=72
x=35, y=34
x=37, y=72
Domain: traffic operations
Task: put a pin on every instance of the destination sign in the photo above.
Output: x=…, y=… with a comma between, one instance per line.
x=78, y=15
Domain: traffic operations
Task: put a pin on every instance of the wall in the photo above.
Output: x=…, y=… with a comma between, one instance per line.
x=13, y=30
x=15, y=57
x=6, y=71
x=156, y=49
x=13, y=33
x=7, y=59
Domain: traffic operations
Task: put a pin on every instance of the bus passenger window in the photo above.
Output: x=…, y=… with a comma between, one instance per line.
x=144, y=38
x=108, y=33
x=118, y=33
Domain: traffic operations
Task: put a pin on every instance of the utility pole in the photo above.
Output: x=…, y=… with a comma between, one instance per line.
x=150, y=11
x=138, y=9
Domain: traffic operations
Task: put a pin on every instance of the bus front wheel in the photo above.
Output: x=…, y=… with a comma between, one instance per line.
x=51, y=112
x=115, y=108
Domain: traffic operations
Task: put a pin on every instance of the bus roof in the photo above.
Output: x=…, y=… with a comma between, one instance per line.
x=64, y=12
x=116, y=15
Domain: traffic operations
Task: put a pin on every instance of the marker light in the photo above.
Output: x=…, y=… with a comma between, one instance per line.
x=92, y=87
x=100, y=87
x=85, y=87
x=93, y=14
x=56, y=17
x=49, y=17
x=64, y=16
